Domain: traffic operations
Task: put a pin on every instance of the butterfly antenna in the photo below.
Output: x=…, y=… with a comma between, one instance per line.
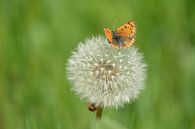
x=114, y=24
x=102, y=25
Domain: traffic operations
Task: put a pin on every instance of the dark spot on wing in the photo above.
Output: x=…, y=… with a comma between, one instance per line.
x=125, y=27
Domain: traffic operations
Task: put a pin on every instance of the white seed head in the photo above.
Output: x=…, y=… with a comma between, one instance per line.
x=106, y=76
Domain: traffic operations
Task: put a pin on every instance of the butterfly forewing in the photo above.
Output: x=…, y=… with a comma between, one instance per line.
x=108, y=34
x=127, y=30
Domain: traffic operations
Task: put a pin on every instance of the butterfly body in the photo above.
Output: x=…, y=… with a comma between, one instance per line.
x=116, y=38
x=124, y=36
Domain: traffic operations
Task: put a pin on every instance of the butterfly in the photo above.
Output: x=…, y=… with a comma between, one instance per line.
x=123, y=36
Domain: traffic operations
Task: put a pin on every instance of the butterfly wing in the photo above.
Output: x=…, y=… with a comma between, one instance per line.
x=127, y=41
x=108, y=34
x=127, y=30
x=127, y=33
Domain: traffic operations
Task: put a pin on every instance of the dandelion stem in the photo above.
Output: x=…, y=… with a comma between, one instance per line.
x=99, y=113
x=93, y=123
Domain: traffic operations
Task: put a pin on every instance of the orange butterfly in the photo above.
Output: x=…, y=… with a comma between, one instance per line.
x=124, y=36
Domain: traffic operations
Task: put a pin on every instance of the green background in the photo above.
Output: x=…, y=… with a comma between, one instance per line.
x=37, y=37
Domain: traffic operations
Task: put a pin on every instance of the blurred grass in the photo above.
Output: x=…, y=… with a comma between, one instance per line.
x=37, y=37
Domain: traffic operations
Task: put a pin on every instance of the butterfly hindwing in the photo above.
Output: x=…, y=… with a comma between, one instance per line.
x=128, y=41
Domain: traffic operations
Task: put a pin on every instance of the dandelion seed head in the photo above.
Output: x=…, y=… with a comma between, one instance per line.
x=106, y=76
